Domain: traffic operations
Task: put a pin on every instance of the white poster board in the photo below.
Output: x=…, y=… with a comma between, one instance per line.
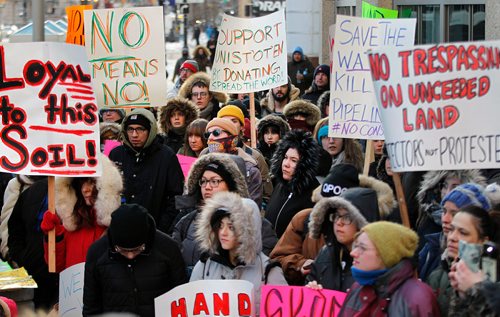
x=126, y=50
x=440, y=105
x=207, y=298
x=50, y=123
x=353, y=106
x=71, y=291
x=251, y=54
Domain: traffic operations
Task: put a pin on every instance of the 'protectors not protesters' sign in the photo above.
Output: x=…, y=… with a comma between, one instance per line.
x=126, y=51
x=50, y=124
x=251, y=54
x=439, y=105
x=207, y=298
x=353, y=105
x=299, y=301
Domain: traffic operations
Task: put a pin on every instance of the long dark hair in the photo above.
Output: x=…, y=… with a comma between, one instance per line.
x=85, y=215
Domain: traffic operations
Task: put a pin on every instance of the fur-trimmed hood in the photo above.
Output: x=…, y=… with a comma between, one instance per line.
x=204, y=48
x=323, y=101
x=268, y=101
x=246, y=220
x=153, y=131
x=305, y=171
x=385, y=195
x=431, y=180
x=185, y=90
x=109, y=126
x=191, y=186
x=109, y=187
x=183, y=105
x=310, y=110
x=272, y=119
x=318, y=223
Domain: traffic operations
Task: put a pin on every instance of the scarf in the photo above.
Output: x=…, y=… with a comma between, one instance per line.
x=224, y=145
x=207, y=112
x=366, y=277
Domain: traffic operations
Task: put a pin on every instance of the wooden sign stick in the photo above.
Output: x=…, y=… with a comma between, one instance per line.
x=52, y=233
x=403, y=209
x=253, y=130
x=369, y=157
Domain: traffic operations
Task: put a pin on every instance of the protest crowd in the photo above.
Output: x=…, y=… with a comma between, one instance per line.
x=187, y=195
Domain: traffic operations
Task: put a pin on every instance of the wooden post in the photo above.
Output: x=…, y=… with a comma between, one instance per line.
x=52, y=233
x=369, y=157
x=403, y=209
x=253, y=130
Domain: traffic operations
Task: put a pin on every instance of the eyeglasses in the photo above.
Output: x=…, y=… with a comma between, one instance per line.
x=135, y=250
x=345, y=219
x=214, y=183
x=187, y=70
x=139, y=130
x=215, y=132
x=202, y=94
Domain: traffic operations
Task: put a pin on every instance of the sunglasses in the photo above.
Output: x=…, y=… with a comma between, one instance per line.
x=215, y=132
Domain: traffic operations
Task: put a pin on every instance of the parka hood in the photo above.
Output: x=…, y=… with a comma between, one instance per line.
x=246, y=220
x=269, y=120
x=109, y=187
x=153, y=131
x=183, y=105
x=196, y=171
x=186, y=88
x=431, y=181
x=310, y=110
x=385, y=195
x=305, y=171
x=204, y=48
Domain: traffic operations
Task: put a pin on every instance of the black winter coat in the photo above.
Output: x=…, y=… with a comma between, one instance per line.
x=116, y=284
x=330, y=271
x=283, y=205
x=152, y=179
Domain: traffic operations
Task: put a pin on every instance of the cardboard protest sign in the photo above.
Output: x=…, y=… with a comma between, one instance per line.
x=251, y=54
x=186, y=162
x=75, y=33
x=439, y=105
x=299, y=301
x=126, y=50
x=71, y=291
x=368, y=10
x=207, y=298
x=353, y=106
x=50, y=124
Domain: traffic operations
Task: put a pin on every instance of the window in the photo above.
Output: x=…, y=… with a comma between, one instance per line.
x=428, y=20
x=465, y=22
x=346, y=7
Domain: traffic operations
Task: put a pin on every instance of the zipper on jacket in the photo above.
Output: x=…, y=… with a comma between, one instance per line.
x=279, y=213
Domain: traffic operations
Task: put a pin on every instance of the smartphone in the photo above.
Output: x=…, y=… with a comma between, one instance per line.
x=490, y=261
x=470, y=253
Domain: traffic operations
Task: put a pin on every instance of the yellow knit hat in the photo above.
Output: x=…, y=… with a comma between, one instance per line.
x=233, y=111
x=392, y=241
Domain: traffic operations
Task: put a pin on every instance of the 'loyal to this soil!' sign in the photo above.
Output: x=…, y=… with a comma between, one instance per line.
x=127, y=52
x=48, y=111
x=251, y=54
x=353, y=106
x=439, y=105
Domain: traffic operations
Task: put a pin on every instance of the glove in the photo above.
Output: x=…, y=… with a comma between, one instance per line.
x=51, y=221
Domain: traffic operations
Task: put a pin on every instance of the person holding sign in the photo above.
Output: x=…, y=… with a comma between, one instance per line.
x=83, y=212
x=229, y=229
x=131, y=266
x=294, y=167
x=173, y=120
x=384, y=274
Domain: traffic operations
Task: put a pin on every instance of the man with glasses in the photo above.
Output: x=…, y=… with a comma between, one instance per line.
x=151, y=171
x=131, y=265
x=188, y=68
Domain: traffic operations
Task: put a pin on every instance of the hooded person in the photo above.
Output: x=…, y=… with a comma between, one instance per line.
x=384, y=273
x=320, y=84
x=173, y=120
x=324, y=104
x=115, y=115
x=270, y=130
x=83, y=213
x=151, y=171
x=130, y=266
x=302, y=114
x=337, y=220
x=201, y=54
x=277, y=98
x=229, y=230
x=300, y=70
x=293, y=166
x=109, y=131
x=196, y=89
x=433, y=188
